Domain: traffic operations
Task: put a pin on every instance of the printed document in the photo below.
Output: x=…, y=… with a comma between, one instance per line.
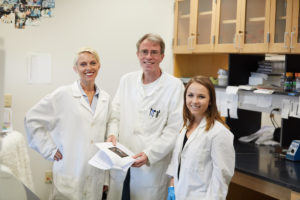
x=112, y=157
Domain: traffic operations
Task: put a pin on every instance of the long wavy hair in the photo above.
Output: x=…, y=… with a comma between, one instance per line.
x=211, y=113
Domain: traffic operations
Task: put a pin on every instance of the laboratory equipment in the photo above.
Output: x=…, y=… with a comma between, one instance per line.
x=294, y=151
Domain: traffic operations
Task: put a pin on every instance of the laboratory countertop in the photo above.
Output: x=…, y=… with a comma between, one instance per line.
x=263, y=162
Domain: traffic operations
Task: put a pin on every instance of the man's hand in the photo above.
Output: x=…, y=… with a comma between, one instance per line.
x=142, y=159
x=58, y=156
x=112, y=139
x=105, y=188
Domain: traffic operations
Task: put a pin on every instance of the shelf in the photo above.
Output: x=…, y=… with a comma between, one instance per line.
x=276, y=100
x=256, y=19
x=281, y=18
x=229, y=21
x=184, y=16
x=205, y=13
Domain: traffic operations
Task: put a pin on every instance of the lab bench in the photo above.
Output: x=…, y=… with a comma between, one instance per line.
x=260, y=170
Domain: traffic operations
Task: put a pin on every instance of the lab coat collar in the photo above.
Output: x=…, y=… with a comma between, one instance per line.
x=101, y=99
x=197, y=131
x=77, y=94
x=158, y=86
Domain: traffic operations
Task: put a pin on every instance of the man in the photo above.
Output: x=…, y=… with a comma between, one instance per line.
x=146, y=118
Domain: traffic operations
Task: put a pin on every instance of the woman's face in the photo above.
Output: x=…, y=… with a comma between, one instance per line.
x=87, y=67
x=197, y=99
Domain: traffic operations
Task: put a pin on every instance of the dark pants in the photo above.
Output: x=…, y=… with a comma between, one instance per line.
x=126, y=187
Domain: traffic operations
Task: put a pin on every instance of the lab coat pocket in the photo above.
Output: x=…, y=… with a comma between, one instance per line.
x=66, y=186
x=199, y=156
x=155, y=120
x=196, y=181
x=117, y=175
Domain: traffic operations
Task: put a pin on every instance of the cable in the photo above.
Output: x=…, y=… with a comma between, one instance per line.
x=272, y=117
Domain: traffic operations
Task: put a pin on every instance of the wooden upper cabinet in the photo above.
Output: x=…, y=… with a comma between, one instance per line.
x=227, y=25
x=194, y=26
x=295, y=31
x=280, y=26
x=182, y=26
x=237, y=26
x=254, y=26
x=203, y=27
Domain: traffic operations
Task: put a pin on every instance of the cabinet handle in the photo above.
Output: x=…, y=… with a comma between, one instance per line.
x=291, y=44
x=240, y=35
x=190, y=43
x=268, y=37
x=235, y=41
x=284, y=40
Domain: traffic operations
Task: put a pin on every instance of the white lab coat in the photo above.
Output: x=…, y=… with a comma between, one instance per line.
x=64, y=120
x=207, y=163
x=139, y=130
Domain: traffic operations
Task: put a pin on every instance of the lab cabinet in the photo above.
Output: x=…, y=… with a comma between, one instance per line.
x=284, y=27
x=242, y=26
x=295, y=196
x=194, y=26
x=236, y=26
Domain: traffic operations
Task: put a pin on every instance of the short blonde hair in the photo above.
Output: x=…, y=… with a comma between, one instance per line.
x=155, y=38
x=86, y=50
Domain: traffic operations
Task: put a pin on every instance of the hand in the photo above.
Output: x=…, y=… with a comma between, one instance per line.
x=171, y=193
x=105, y=188
x=142, y=159
x=58, y=156
x=112, y=139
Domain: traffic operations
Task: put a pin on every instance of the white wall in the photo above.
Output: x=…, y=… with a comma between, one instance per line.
x=112, y=27
x=2, y=60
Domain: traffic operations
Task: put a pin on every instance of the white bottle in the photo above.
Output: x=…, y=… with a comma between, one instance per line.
x=222, y=77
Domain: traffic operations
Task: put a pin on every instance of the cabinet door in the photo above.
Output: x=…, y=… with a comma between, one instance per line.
x=280, y=26
x=295, y=33
x=295, y=195
x=254, y=26
x=182, y=38
x=227, y=19
x=203, y=26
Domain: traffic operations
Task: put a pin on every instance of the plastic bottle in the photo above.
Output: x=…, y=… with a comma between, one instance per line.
x=222, y=77
x=288, y=82
x=297, y=79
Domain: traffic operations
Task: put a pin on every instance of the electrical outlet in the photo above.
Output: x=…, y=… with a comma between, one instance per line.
x=48, y=177
x=7, y=100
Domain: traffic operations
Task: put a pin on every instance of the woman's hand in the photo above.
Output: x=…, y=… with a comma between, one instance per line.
x=171, y=193
x=105, y=188
x=58, y=156
x=112, y=139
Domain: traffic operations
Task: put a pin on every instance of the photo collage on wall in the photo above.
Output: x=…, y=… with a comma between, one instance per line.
x=23, y=13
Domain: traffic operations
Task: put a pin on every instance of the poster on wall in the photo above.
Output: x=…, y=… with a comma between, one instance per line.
x=23, y=13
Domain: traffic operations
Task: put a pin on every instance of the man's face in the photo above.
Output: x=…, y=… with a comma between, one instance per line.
x=150, y=56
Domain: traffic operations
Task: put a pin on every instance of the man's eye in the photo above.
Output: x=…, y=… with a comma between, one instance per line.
x=93, y=63
x=82, y=64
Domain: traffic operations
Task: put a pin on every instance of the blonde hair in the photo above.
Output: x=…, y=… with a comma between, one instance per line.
x=86, y=50
x=156, y=39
